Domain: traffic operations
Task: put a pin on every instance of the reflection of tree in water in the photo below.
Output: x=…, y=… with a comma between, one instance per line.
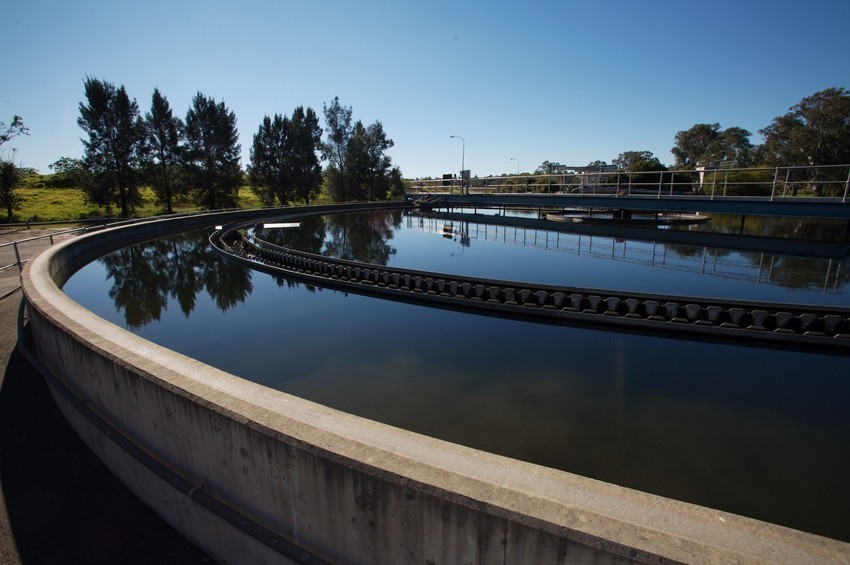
x=695, y=251
x=362, y=237
x=802, y=273
x=138, y=287
x=357, y=237
x=146, y=275
x=308, y=237
x=289, y=283
x=789, y=271
x=808, y=273
x=808, y=229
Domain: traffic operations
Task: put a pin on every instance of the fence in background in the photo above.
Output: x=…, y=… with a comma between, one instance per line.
x=775, y=182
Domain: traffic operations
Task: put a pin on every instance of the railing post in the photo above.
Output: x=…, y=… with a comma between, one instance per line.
x=672, y=181
x=846, y=187
x=17, y=256
x=773, y=188
x=787, y=177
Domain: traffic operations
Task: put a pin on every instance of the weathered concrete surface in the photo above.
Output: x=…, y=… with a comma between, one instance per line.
x=349, y=489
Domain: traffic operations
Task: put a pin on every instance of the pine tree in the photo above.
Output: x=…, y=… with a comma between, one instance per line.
x=303, y=141
x=115, y=145
x=267, y=170
x=212, y=153
x=165, y=134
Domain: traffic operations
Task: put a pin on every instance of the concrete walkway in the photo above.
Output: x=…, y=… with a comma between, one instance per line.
x=58, y=502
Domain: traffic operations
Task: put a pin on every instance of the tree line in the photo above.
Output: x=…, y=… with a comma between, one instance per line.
x=814, y=132
x=199, y=157
x=10, y=173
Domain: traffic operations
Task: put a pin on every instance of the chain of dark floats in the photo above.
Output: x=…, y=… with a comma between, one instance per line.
x=807, y=326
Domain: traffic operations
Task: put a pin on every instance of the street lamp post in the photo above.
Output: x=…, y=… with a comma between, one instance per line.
x=462, y=157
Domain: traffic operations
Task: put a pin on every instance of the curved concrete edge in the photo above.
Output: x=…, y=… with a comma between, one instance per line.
x=342, y=487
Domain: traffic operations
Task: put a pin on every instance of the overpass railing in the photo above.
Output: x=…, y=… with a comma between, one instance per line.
x=773, y=182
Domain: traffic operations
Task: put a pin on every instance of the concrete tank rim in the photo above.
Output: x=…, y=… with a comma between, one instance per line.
x=554, y=500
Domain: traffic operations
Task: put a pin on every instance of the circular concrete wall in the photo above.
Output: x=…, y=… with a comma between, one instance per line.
x=253, y=474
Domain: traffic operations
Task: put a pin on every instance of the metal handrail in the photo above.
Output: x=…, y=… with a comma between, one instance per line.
x=715, y=181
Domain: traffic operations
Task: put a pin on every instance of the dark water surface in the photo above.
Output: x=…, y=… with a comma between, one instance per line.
x=756, y=431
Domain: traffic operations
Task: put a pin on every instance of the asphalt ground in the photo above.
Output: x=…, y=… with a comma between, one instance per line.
x=58, y=502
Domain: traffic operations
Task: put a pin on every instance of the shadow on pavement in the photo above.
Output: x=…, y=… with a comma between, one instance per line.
x=64, y=505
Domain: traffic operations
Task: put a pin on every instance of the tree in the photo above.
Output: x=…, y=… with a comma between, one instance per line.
x=643, y=173
x=358, y=167
x=641, y=166
x=626, y=160
x=304, y=140
x=334, y=149
x=284, y=164
x=212, y=152
x=10, y=178
x=367, y=165
x=397, y=185
x=734, y=146
x=66, y=166
x=692, y=145
x=357, y=175
x=267, y=169
x=15, y=128
x=814, y=132
x=165, y=134
x=115, y=147
x=68, y=172
x=548, y=168
x=707, y=143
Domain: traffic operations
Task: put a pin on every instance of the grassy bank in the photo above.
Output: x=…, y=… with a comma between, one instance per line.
x=64, y=204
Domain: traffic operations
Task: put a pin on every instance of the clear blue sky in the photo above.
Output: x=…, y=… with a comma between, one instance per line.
x=566, y=81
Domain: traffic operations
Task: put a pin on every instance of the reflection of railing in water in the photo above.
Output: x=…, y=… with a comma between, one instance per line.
x=709, y=262
x=788, y=325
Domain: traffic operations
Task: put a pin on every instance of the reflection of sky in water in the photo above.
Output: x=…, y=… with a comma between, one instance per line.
x=606, y=262
x=760, y=432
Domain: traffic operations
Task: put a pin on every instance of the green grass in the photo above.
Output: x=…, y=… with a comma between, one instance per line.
x=53, y=204
x=69, y=204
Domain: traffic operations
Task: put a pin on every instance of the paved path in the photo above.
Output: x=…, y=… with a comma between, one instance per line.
x=58, y=502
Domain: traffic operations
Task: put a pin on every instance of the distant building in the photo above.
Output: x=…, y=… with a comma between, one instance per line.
x=589, y=169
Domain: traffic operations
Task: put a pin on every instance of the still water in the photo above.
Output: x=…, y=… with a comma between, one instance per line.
x=755, y=431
